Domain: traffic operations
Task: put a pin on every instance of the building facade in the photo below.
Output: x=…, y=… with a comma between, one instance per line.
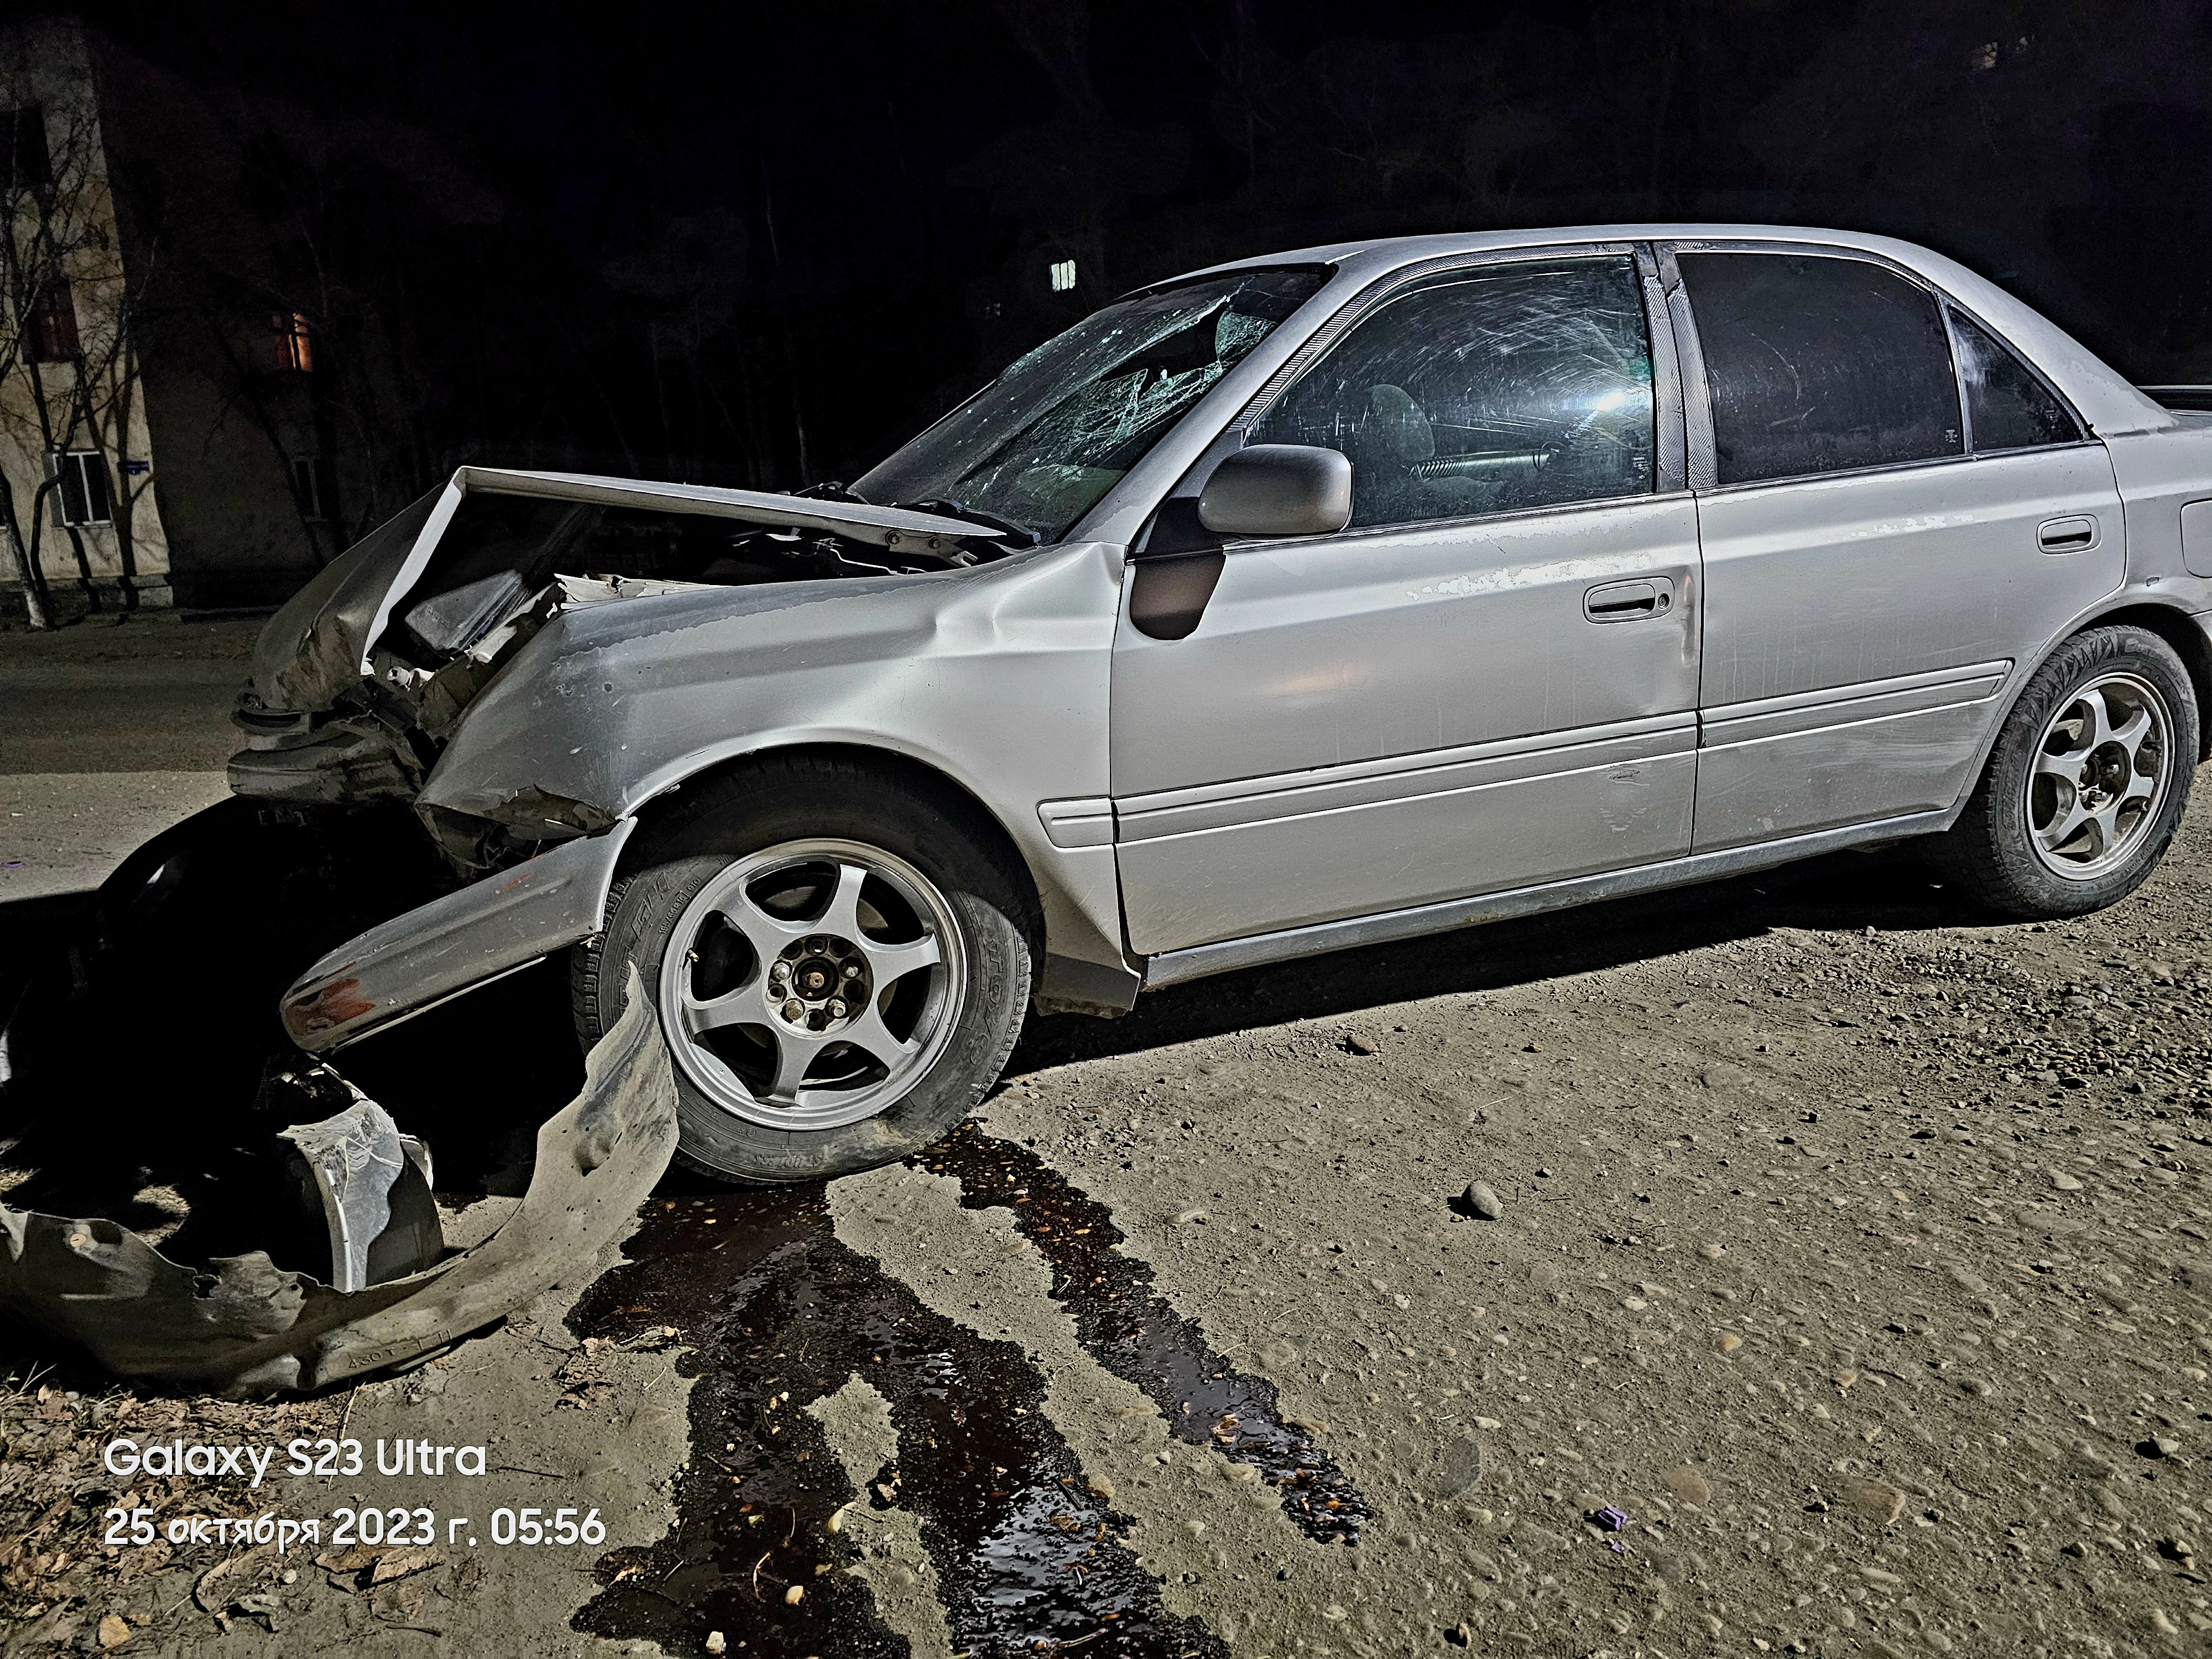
x=76, y=453
x=166, y=437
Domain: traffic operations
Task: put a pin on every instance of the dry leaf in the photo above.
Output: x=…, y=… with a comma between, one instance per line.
x=224, y=1582
x=397, y=1601
x=398, y=1564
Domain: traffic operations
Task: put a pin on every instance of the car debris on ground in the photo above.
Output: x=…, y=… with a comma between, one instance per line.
x=242, y=1325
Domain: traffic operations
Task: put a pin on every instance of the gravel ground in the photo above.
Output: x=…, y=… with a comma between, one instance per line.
x=1860, y=1268
x=1846, y=1295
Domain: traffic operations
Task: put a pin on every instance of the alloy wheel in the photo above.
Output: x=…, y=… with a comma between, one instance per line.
x=809, y=984
x=2101, y=771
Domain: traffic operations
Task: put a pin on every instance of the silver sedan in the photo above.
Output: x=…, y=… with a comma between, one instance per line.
x=1337, y=597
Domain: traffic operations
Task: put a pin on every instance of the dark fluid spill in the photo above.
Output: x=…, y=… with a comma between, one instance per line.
x=1134, y=1333
x=782, y=1314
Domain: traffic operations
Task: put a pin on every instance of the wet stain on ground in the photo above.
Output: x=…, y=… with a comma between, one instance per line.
x=780, y=1314
x=1133, y=1331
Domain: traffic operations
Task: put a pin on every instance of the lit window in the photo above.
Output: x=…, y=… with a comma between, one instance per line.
x=314, y=486
x=50, y=330
x=81, y=495
x=295, y=346
x=1063, y=276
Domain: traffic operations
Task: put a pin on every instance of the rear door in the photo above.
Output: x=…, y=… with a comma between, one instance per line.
x=1884, y=561
x=1487, y=680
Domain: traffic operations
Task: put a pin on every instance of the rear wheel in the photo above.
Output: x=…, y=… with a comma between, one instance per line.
x=2087, y=782
x=840, y=963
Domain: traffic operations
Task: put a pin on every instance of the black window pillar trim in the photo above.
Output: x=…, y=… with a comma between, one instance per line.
x=1696, y=392
x=1669, y=436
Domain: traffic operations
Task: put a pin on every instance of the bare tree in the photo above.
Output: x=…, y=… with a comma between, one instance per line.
x=69, y=355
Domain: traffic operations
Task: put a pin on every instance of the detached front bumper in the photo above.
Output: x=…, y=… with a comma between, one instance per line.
x=399, y=968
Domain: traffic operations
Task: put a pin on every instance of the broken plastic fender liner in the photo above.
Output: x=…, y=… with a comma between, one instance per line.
x=246, y=1325
x=374, y=1186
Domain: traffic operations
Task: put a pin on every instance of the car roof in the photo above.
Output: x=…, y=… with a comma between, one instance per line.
x=1377, y=254
x=2101, y=393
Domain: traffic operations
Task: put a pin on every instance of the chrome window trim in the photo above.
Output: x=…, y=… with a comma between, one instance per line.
x=1958, y=377
x=1697, y=390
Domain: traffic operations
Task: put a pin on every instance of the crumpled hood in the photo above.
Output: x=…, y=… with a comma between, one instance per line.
x=313, y=647
x=317, y=647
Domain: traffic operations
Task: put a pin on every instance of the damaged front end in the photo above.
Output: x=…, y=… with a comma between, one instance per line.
x=172, y=990
x=394, y=1292
x=361, y=681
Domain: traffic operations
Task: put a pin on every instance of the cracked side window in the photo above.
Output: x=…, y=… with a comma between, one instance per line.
x=1819, y=365
x=1496, y=390
x=1045, y=441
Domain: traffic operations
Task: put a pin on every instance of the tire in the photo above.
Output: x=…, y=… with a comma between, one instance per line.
x=841, y=959
x=2103, y=740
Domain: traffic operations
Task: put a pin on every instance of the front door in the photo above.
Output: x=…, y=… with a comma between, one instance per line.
x=1487, y=681
x=1884, y=564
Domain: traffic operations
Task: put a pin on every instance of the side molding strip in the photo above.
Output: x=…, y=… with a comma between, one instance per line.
x=493, y=927
x=1196, y=962
x=1088, y=822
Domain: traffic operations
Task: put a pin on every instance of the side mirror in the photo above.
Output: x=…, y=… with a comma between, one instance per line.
x=1277, y=489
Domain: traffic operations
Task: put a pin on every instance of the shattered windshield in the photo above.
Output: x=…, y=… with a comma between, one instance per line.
x=1041, y=443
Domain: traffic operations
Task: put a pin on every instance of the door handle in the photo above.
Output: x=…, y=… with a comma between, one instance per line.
x=1631, y=601
x=2074, y=535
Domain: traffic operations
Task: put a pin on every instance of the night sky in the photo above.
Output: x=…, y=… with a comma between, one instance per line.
x=761, y=244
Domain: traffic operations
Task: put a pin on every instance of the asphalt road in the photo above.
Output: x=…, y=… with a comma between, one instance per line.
x=108, y=733
x=1847, y=1294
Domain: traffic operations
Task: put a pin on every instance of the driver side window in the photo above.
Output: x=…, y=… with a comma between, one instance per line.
x=1488, y=391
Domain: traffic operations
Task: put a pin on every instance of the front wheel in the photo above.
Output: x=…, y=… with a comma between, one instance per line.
x=840, y=963
x=2088, y=782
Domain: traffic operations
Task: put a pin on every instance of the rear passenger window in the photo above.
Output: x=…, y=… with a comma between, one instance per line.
x=1492, y=391
x=2007, y=407
x=1818, y=364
